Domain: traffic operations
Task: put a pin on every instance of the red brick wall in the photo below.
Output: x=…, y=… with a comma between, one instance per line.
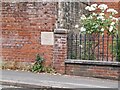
x=60, y=50
x=91, y=69
x=22, y=24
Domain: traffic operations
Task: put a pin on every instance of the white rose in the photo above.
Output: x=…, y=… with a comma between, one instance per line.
x=102, y=29
x=103, y=6
x=94, y=5
x=94, y=14
x=101, y=14
x=82, y=29
x=113, y=23
x=101, y=17
x=112, y=11
x=113, y=18
x=111, y=28
x=87, y=8
x=92, y=9
x=83, y=17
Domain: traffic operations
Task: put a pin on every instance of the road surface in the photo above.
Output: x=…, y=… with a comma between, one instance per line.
x=28, y=79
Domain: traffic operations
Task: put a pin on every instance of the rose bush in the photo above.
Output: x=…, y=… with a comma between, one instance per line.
x=98, y=22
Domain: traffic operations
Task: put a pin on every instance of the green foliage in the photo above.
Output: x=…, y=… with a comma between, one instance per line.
x=39, y=59
x=88, y=57
x=49, y=70
x=73, y=55
x=37, y=68
x=88, y=53
x=38, y=65
x=118, y=45
x=96, y=23
x=116, y=49
x=100, y=21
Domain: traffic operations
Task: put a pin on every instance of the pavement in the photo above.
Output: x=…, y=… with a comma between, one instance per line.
x=8, y=86
x=34, y=80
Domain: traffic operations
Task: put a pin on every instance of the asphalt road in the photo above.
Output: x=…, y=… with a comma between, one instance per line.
x=28, y=79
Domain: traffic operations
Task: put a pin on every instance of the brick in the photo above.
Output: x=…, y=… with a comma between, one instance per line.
x=22, y=19
x=108, y=72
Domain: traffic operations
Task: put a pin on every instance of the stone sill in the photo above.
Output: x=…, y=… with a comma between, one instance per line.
x=91, y=62
x=60, y=31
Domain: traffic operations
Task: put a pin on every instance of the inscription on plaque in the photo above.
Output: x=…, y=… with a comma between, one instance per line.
x=47, y=38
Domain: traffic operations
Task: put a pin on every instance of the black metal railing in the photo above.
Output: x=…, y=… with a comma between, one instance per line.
x=94, y=47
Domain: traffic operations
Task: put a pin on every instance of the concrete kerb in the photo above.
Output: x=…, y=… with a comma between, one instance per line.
x=22, y=84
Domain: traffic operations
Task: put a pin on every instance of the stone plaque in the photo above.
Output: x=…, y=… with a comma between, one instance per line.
x=47, y=38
